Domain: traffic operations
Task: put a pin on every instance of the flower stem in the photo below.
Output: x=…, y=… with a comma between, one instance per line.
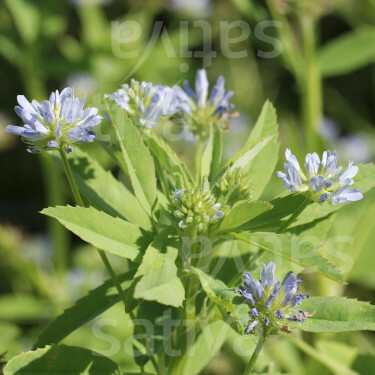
x=255, y=356
x=79, y=201
x=198, y=160
x=102, y=254
x=291, y=220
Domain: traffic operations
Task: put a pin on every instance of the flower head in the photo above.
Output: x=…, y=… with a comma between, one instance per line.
x=323, y=180
x=196, y=208
x=199, y=109
x=271, y=302
x=146, y=102
x=57, y=123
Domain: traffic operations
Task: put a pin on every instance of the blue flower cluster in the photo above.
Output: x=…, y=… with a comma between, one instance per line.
x=271, y=302
x=146, y=102
x=199, y=110
x=323, y=179
x=57, y=123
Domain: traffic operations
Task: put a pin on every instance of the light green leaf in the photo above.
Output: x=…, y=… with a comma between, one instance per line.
x=137, y=157
x=61, y=359
x=302, y=252
x=337, y=314
x=103, y=191
x=347, y=53
x=158, y=274
x=162, y=285
x=105, y=232
x=211, y=157
x=83, y=311
x=260, y=153
x=241, y=213
x=167, y=157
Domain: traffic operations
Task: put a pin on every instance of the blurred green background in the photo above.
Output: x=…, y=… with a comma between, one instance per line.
x=315, y=60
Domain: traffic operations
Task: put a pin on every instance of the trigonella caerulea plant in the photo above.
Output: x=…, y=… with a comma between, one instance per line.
x=272, y=303
x=57, y=123
x=146, y=102
x=200, y=110
x=323, y=179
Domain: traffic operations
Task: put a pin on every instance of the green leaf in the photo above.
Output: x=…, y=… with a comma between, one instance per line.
x=347, y=53
x=167, y=157
x=211, y=157
x=61, y=359
x=221, y=295
x=105, y=232
x=137, y=158
x=103, y=191
x=241, y=213
x=83, y=311
x=158, y=274
x=260, y=153
x=302, y=252
x=337, y=314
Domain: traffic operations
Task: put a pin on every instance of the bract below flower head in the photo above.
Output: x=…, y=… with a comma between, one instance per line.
x=272, y=303
x=195, y=208
x=58, y=123
x=199, y=109
x=322, y=180
x=146, y=102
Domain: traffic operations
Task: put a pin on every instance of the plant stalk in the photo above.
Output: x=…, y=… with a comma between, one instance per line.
x=294, y=217
x=79, y=201
x=254, y=357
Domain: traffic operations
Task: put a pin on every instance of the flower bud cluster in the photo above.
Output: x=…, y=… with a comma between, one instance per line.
x=197, y=208
x=234, y=186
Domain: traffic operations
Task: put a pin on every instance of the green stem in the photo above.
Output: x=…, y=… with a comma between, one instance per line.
x=310, y=83
x=291, y=220
x=71, y=180
x=198, y=160
x=79, y=201
x=255, y=356
x=102, y=254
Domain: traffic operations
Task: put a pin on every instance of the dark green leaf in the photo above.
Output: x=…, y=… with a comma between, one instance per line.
x=83, y=311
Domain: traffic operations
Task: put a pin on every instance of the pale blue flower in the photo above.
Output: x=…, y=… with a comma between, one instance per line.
x=146, y=102
x=270, y=302
x=199, y=109
x=322, y=179
x=59, y=122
